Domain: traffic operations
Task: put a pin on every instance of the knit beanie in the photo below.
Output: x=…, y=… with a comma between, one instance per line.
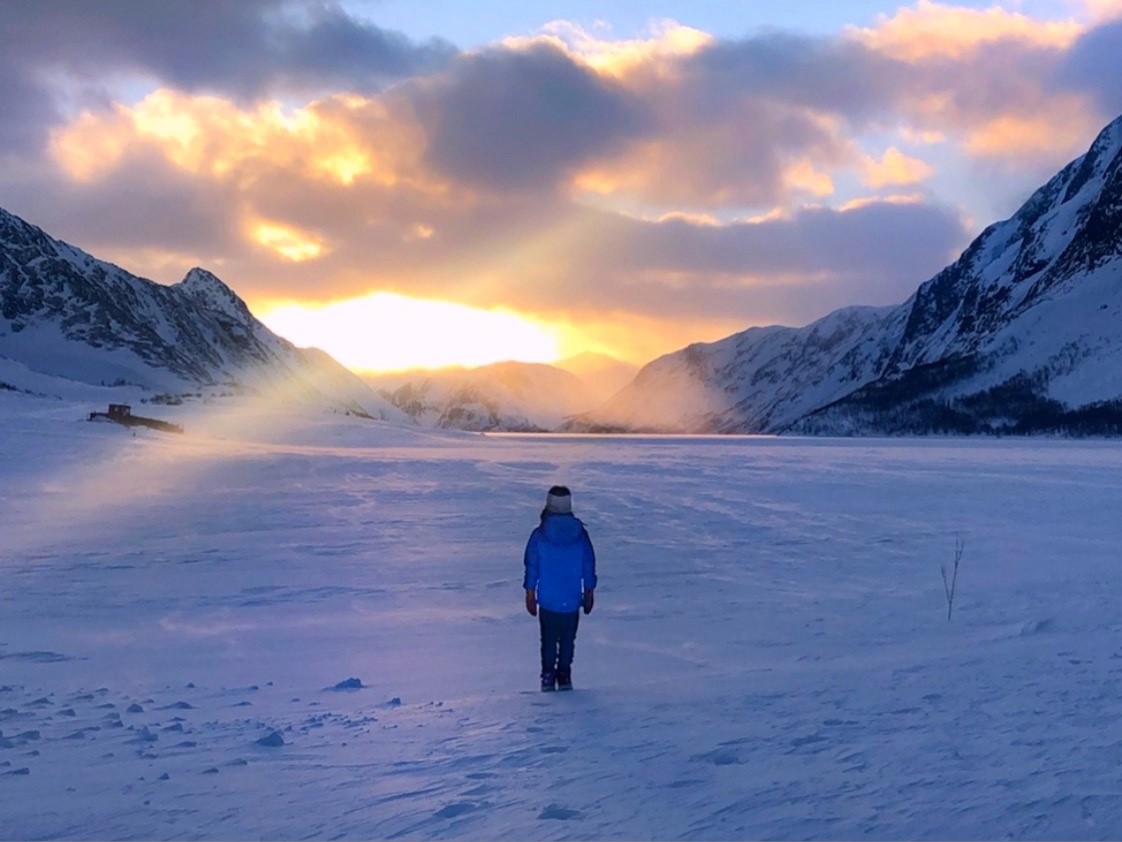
x=559, y=501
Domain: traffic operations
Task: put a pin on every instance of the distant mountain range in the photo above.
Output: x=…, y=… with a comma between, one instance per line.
x=509, y=396
x=1022, y=334
x=63, y=313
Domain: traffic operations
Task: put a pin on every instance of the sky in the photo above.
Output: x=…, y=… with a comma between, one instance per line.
x=443, y=183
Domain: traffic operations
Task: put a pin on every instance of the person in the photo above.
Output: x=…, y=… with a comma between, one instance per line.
x=560, y=582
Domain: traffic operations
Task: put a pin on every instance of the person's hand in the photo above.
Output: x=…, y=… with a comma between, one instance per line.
x=532, y=603
x=588, y=600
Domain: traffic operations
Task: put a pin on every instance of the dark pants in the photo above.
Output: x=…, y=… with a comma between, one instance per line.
x=559, y=633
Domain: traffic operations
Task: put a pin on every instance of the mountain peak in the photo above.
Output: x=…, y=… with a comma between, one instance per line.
x=208, y=291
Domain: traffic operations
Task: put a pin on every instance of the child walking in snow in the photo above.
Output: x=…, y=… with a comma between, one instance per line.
x=559, y=582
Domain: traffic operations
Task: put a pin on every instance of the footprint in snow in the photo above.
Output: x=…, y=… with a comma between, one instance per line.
x=555, y=811
x=719, y=757
x=684, y=782
x=455, y=810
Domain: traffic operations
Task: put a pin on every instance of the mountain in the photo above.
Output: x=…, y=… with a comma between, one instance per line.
x=604, y=375
x=509, y=396
x=64, y=313
x=1022, y=334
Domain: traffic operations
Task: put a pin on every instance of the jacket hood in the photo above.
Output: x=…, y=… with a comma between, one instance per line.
x=562, y=528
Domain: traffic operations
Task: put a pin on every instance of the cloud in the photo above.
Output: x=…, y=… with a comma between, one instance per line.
x=343, y=138
x=154, y=219
x=243, y=48
x=874, y=243
x=69, y=55
x=895, y=169
x=523, y=118
x=27, y=111
x=666, y=42
x=987, y=79
x=931, y=29
x=1094, y=66
x=671, y=179
x=263, y=189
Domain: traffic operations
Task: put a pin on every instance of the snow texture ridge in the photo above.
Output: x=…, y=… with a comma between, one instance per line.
x=217, y=638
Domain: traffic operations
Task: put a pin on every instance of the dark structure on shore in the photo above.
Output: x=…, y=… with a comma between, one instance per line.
x=121, y=413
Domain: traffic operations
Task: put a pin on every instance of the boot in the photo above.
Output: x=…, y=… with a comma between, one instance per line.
x=565, y=679
x=549, y=681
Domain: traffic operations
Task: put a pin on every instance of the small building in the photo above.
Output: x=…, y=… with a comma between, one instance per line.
x=121, y=413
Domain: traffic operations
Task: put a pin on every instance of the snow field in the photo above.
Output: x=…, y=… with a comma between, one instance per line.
x=769, y=656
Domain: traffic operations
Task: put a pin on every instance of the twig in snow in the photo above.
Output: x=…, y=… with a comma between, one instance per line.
x=948, y=587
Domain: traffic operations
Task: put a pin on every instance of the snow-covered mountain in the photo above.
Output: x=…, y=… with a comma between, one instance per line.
x=509, y=396
x=64, y=313
x=603, y=374
x=1023, y=333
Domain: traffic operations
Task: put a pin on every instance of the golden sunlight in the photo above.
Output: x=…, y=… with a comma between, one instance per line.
x=387, y=332
x=290, y=243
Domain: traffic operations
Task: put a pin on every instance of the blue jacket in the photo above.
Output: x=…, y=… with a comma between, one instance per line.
x=560, y=563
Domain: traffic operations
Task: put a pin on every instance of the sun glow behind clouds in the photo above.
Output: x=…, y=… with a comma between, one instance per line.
x=287, y=241
x=387, y=332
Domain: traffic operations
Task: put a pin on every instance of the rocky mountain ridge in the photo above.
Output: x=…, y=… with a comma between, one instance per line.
x=1022, y=334
x=67, y=314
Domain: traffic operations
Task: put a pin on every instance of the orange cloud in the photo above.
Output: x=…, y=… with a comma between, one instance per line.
x=804, y=177
x=340, y=139
x=1062, y=123
x=91, y=145
x=991, y=103
x=1102, y=10
x=288, y=241
x=688, y=171
x=895, y=168
x=932, y=29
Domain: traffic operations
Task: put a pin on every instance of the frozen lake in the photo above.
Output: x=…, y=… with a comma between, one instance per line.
x=770, y=655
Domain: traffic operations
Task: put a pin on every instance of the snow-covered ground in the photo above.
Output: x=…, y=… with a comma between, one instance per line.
x=770, y=655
